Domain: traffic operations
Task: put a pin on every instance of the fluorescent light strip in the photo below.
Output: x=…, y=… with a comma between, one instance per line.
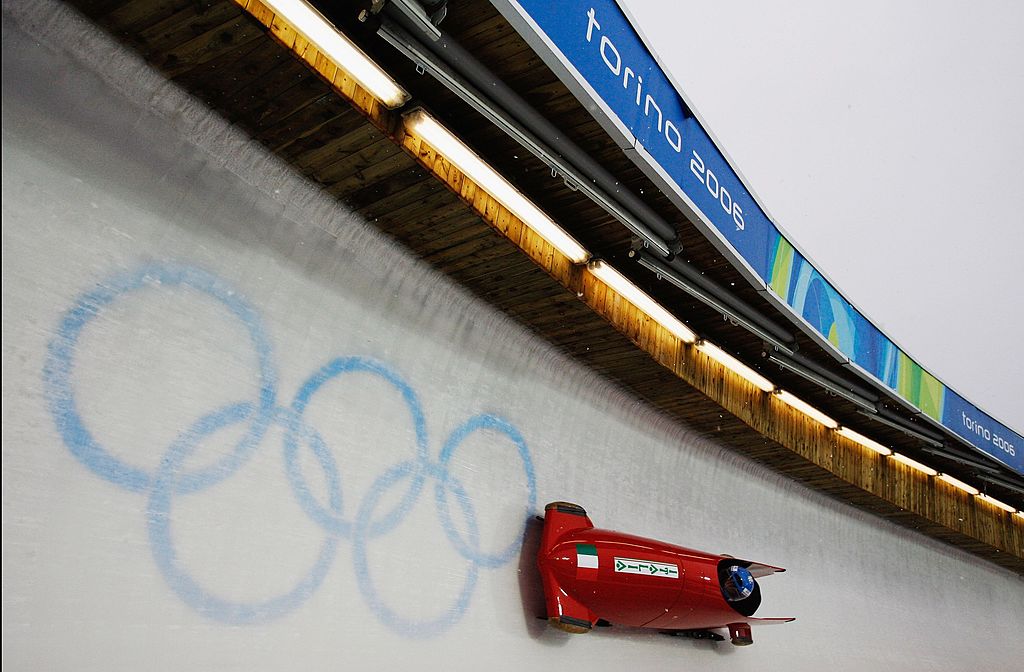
x=995, y=502
x=735, y=365
x=421, y=124
x=863, y=440
x=914, y=464
x=959, y=484
x=805, y=408
x=640, y=299
x=343, y=53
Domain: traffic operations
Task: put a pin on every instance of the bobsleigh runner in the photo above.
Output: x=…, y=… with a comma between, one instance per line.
x=595, y=577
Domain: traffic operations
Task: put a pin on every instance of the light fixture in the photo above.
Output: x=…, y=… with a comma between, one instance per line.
x=735, y=365
x=624, y=286
x=805, y=408
x=959, y=484
x=342, y=52
x=914, y=464
x=1020, y=514
x=863, y=440
x=995, y=502
x=421, y=124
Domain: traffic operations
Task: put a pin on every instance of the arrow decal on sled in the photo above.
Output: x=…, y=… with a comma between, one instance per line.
x=646, y=567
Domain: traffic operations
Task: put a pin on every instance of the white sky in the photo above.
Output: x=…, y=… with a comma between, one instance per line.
x=887, y=140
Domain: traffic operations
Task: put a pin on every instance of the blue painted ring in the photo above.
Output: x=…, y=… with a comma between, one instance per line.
x=162, y=541
x=59, y=368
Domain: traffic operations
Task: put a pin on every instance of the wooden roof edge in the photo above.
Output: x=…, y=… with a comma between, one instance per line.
x=840, y=467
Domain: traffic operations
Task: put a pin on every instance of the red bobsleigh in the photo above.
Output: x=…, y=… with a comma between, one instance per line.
x=599, y=577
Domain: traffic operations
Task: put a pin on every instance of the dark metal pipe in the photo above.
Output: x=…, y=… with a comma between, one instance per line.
x=857, y=389
x=956, y=457
x=450, y=53
x=1008, y=484
x=887, y=417
x=709, y=288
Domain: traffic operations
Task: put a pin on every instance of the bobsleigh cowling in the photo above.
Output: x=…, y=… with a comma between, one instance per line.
x=597, y=577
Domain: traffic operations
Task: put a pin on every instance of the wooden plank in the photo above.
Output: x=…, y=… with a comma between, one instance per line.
x=436, y=216
x=268, y=84
x=305, y=123
x=214, y=80
x=337, y=139
x=349, y=178
x=191, y=21
x=256, y=64
x=215, y=42
x=365, y=159
x=485, y=277
x=383, y=196
x=98, y=9
x=290, y=100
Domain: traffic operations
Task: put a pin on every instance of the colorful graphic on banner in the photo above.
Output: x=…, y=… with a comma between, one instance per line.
x=604, y=57
x=794, y=280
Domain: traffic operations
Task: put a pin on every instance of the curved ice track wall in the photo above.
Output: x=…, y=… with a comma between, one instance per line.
x=242, y=430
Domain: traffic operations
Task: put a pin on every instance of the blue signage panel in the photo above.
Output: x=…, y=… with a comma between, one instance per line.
x=705, y=176
x=596, y=40
x=601, y=44
x=982, y=431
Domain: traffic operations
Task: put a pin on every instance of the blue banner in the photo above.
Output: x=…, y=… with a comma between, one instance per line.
x=597, y=44
x=979, y=429
x=601, y=44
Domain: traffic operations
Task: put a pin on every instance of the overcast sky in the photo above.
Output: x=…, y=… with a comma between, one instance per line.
x=887, y=140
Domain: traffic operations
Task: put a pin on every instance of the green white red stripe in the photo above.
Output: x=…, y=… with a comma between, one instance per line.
x=586, y=561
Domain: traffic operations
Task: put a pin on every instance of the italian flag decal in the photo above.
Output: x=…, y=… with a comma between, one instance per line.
x=586, y=562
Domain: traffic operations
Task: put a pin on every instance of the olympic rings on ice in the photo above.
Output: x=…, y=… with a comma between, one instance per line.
x=171, y=480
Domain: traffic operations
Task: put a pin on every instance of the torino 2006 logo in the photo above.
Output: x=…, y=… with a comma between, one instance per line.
x=171, y=480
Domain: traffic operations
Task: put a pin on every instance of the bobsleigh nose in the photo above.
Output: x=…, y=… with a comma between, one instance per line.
x=558, y=560
x=571, y=561
x=562, y=522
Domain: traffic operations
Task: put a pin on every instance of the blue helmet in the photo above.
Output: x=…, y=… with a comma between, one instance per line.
x=738, y=583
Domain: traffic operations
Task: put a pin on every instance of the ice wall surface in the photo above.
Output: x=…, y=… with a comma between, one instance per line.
x=243, y=431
